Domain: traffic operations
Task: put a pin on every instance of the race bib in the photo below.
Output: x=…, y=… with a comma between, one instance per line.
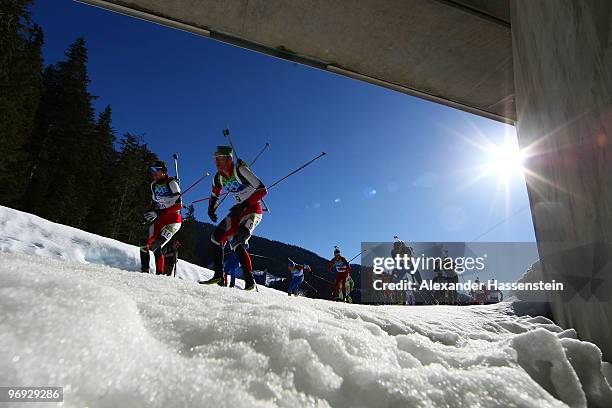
x=252, y=222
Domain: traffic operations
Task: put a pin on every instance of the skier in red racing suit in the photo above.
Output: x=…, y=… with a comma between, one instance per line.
x=248, y=190
x=164, y=214
x=341, y=266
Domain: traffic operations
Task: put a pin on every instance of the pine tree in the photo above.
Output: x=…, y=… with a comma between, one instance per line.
x=102, y=159
x=188, y=236
x=20, y=84
x=60, y=173
x=38, y=176
x=133, y=180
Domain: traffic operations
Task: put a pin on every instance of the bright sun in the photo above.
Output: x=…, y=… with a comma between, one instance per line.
x=505, y=161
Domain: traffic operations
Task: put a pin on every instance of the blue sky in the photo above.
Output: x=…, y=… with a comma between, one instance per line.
x=396, y=165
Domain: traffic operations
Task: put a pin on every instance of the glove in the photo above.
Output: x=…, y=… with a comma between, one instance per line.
x=237, y=209
x=150, y=216
x=211, y=214
x=211, y=209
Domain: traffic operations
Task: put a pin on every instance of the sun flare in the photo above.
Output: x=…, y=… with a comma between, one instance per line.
x=505, y=161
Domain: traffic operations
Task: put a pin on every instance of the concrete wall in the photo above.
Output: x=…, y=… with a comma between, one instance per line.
x=562, y=52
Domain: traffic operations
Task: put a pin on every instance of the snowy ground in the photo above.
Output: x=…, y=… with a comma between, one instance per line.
x=115, y=338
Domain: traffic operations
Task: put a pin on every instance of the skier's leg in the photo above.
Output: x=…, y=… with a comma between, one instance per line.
x=244, y=231
x=162, y=235
x=336, y=286
x=223, y=231
x=144, y=259
x=295, y=284
x=233, y=277
x=247, y=267
x=231, y=266
x=350, y=285
x=299, y=282
x=344, y=286
x=291, y=287
x=174, y=262
x=160, y=261
x=144, y=252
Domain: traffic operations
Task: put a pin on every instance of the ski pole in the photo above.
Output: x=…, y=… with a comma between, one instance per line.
x=206, y=174
x=226, y=133
x=265, y=257
x=175, y=157
x=175, y=264
x=200, y=200
x=357, y=255
x=323, y=279
x=276, y=182
x=259, y=154
x=295, y=171
x=313, y=288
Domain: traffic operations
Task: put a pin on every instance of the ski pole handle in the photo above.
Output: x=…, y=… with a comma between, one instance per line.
x=175, y=157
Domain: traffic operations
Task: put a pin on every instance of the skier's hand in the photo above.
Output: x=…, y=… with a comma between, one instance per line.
x=150, y=216
x=211, y=214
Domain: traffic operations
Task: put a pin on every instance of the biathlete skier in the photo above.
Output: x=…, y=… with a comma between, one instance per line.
x=297, y=276
x=164, y=216
x=248, y=190
x=341, y=266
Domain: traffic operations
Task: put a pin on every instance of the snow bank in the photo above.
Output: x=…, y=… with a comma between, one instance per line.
x=530, y=302
x=26, y=233
x=114, y=338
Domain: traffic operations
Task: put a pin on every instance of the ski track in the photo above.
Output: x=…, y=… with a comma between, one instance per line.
x=115, y=338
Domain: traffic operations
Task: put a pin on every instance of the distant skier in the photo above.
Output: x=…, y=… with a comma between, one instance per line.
x=341, y=266
x=452, y=278
x=495, y=296
x=231, y=267
x=479, y=295
x=439, y=294
x=248, y=190
x=164, y=214
x=408, y=278
x=349, y=284
x=297, y=276
x=401, y=248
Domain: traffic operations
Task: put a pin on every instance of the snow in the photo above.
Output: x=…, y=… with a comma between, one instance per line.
x=28, y=234
x=115, y=338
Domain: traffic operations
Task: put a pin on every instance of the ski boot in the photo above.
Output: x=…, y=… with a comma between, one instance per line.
x=250, y=285
x=215, y=280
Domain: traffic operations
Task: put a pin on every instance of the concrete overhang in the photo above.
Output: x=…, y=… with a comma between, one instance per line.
x=458, y=53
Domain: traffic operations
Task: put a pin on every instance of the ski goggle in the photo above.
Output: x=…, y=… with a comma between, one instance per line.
x=155, y=169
